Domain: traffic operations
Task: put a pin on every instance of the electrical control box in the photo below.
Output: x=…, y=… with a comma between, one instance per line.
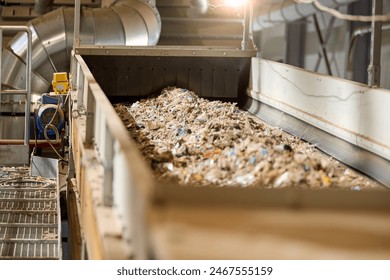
x=60, y=83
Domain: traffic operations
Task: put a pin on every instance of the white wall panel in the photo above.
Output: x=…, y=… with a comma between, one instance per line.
x=351, y=111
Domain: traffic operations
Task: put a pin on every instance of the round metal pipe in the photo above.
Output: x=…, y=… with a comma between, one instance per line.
x=288, y=11
x=374, y=69
x=245, y=36
x=30, y=142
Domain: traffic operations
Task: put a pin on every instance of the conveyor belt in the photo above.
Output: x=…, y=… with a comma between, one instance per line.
x=29, y=213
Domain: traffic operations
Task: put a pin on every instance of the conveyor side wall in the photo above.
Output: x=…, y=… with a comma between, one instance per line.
x=223, y=75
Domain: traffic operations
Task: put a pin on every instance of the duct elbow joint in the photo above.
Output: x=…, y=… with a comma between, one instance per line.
x=141, y=21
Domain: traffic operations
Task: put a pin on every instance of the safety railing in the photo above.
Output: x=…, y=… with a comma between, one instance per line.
x=26, y=92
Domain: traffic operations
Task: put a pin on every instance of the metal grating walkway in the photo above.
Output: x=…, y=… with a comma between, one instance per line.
x=29, y=218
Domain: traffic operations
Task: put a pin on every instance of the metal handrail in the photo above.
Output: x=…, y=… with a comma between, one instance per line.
x=27, y=90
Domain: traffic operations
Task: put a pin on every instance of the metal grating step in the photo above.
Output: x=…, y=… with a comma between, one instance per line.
x=26, y=193
x=28, y=232
x=28, y=204
x=29, y=219
x=31, y=249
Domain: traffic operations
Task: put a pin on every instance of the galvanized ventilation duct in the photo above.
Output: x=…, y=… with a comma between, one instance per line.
x=126, y=22
x=287, y=11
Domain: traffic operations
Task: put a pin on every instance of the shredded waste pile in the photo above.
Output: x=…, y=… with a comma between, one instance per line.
x=7, y=173
x=195, y=141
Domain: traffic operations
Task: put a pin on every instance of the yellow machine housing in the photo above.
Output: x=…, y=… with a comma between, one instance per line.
x=60, y=83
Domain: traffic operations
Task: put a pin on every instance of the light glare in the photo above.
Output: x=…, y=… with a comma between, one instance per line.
x=234, y=3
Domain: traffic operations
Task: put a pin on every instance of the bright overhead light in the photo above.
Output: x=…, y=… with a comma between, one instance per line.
x=234, y=3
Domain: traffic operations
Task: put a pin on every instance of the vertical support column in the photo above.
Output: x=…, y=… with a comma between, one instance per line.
x=28, y=88
x=76, y=43
x=245, y=44
x=76, y=34
x=374, y=69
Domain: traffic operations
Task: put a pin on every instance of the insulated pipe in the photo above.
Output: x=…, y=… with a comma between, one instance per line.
x=126, y=22
x=288, y=11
